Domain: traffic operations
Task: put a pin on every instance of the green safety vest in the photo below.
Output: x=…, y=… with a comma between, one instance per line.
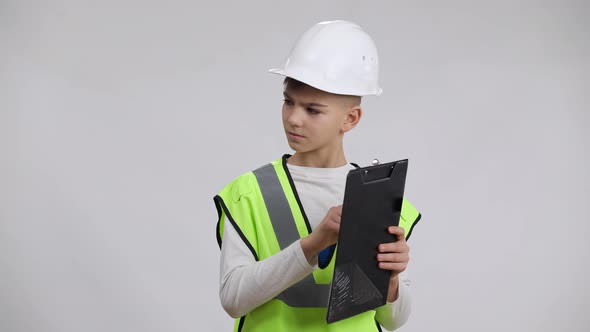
x=264, y=208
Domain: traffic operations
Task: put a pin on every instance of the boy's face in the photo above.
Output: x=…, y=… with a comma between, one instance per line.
x=315, y=121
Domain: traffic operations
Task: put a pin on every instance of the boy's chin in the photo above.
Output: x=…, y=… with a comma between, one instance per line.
x=297, y=148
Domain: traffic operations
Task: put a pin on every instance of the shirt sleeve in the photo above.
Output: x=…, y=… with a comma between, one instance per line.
x=246, y=283
x=394, y=314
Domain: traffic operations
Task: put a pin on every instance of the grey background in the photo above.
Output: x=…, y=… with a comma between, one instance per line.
x=119, y=120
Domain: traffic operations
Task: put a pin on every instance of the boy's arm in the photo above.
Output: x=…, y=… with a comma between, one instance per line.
x=394, y=314
x=246, y=283
x=394, y=256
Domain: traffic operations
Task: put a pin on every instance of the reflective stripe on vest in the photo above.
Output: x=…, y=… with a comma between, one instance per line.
x=305, y=293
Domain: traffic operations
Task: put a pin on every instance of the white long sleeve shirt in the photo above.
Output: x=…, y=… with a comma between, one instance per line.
x=246, y=283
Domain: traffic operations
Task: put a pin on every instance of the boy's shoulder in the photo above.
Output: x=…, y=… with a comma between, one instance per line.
x=241, y=180
x=244, y=183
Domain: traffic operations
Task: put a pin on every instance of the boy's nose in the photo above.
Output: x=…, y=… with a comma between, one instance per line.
x=295, y=119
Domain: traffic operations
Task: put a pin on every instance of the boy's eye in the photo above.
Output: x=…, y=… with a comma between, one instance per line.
x=312, y=111
x=288, y=102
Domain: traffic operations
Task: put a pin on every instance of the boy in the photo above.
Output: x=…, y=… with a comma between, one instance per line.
x=274, y=221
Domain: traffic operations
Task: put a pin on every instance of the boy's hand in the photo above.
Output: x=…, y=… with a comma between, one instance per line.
x=324, y=235
x=394, y=256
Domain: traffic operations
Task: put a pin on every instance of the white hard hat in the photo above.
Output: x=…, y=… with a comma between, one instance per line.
x=337, y=57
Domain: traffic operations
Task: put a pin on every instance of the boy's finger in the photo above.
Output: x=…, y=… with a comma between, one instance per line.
x=393, y=247
x=396, y=230
x=399, y=267
x=337, y=219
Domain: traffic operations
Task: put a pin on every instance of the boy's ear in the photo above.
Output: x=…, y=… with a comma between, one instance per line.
x=353, y=117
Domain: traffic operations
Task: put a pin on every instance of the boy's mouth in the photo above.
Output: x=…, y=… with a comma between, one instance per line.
x=292, y=134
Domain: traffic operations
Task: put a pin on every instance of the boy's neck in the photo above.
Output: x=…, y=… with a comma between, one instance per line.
x=318, y=159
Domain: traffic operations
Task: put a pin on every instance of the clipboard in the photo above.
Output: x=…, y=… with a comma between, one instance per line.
x=372, y=201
